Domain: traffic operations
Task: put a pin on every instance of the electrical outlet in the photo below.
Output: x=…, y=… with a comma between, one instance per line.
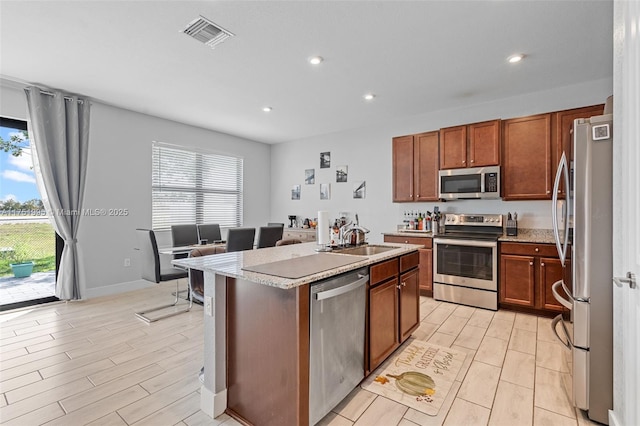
x=127, y=262
x=208, y=305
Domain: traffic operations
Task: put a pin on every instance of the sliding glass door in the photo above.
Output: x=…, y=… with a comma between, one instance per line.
x=29, y=247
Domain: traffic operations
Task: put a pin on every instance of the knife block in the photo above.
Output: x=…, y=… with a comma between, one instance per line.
x=512, y=228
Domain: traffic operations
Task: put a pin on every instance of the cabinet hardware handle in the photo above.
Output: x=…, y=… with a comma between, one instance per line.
x=399, y=287
x=548, y=192
x=473, y=161
x=463, y=161
x=418, y=195
x=531, y=263
x=537, y=249
x=542, y=264
x=403, y=284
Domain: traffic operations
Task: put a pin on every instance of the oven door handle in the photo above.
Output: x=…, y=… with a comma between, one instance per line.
x=470, y=243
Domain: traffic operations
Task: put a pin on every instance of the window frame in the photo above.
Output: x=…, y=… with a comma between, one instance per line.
x=202, y=158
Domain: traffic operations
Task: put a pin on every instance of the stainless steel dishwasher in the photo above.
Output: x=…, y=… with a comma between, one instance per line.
x=336, y=341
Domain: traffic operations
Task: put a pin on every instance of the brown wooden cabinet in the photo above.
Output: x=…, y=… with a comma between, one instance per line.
x=409, y=299
x=383, y=321
x=415, y=167
x=527, y=273
x=402, y=151
x=526, y=161
x=394, y=305
x=562, y=125
x=472, y=145
x=425, y=271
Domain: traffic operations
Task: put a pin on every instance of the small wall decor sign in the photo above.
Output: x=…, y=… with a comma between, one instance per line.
x=341, y=173
x=359, y=189
x=295, y=192
x=309, y=176
x=325, y=160
x=325, y=191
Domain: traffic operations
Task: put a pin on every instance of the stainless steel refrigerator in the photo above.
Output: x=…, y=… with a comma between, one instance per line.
x=586, y=213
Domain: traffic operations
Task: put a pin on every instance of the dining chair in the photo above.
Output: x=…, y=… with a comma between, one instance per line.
x=268, y=235
x=209, y=232
x=239, y=239
x=196, y=277
x=287, y=241
x=152, y=270
x=184, y=235
x=275, y=224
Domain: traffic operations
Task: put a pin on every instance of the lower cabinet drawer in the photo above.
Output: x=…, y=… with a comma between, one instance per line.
x=427, y=242
x=529, y=249
x=383, y=271
x=409, y=261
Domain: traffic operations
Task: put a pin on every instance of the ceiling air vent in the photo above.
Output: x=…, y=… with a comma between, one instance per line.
x=207, y=32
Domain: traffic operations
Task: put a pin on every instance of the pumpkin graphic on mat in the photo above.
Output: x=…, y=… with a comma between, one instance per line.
x=415, y=383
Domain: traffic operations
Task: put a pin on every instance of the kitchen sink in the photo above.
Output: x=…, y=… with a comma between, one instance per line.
x=368, y=250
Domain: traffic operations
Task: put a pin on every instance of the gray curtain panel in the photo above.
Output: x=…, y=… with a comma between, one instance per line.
x=59, y=132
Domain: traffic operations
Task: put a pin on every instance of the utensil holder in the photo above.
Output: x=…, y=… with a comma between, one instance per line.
x=512, y=228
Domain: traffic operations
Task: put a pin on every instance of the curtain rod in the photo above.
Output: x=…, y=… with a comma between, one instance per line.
x=66, y=98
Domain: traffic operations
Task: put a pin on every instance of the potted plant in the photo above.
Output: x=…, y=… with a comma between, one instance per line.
x=22, y=267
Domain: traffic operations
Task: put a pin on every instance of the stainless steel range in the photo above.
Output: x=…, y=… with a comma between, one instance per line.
x=465, y=263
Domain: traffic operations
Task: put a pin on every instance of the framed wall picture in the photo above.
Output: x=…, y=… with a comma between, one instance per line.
x=325, y=191
x=325, y=160
x=341, y=173
x=309, y=176
x=295, y=192
x=359, y=189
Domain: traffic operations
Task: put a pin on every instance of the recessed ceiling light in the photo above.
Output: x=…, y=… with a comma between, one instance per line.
x=369, y=96
x=267, y=109
x=515, y=58
x=316, y=60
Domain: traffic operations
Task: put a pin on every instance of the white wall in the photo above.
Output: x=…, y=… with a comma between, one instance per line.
x=367, y=153
x=119, y=176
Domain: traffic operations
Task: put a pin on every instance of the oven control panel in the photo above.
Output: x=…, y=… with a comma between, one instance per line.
x=473, y=219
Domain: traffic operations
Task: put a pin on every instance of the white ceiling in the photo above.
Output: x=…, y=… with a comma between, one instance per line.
x=417, y=56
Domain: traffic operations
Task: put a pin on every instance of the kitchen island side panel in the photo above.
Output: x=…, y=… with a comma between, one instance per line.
x=268, y=353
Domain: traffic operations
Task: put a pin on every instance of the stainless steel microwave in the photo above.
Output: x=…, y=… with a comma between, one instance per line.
x=470, y=183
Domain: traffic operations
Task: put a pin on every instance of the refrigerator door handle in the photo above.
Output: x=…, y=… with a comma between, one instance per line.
x=554, y=323
x=563, y=169
x=564, y=302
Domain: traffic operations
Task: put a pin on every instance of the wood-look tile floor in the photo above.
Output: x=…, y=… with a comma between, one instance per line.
x=94, y=363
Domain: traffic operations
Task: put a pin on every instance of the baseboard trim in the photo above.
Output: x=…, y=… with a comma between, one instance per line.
x=112, y=289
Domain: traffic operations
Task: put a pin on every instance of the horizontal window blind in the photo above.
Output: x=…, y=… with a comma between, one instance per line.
x=193, y=186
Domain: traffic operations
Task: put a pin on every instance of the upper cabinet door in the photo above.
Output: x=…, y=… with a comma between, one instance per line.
x=425, y=166
x=402, y=168
x=453, y=147
x=473, y=145
x=527, y=158
x=484, y=144
x=563, y=136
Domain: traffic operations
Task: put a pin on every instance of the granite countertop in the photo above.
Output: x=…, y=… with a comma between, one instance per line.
x=231, y=264
x=525, y=235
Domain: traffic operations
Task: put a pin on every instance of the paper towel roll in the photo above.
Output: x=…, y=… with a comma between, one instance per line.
x=322, y=228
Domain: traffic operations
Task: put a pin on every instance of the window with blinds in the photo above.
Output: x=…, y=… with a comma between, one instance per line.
x=194, y=186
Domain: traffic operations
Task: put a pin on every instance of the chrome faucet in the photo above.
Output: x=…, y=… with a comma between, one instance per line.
x=343, y=232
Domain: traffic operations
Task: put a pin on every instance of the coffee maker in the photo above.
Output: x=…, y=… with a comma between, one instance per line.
x=292, y=221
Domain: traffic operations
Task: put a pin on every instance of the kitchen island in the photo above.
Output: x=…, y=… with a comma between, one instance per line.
x=256, y=328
